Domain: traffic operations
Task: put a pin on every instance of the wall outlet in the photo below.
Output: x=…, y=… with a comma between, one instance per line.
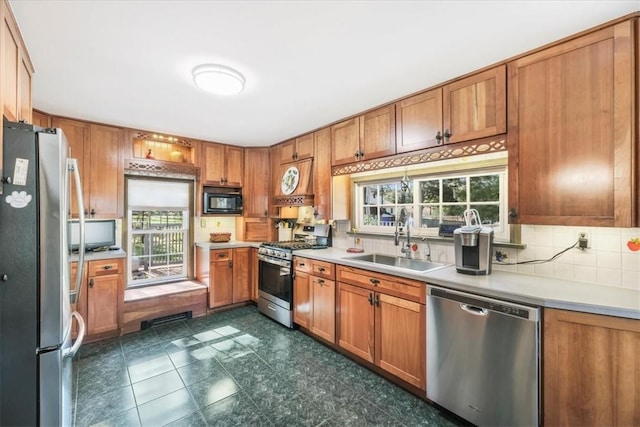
x=203, y=222
x=583, y=241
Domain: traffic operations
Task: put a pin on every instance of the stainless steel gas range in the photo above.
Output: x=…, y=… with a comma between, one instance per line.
x=275, y=281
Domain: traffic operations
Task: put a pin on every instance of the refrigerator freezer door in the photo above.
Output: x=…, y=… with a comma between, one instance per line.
x=55, y=386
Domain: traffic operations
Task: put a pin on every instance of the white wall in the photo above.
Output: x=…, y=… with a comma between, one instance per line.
x=608, y=261
x=217, y=224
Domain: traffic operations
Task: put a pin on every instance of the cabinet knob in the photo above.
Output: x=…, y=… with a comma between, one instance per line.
x=356, y=155
x=447, y=135
x=361, y=153
x=438, y=138
x=320, y=282
x=321, y=269
x=512, y=213
x=93, y=212
x=230, y=264
x=91, y=283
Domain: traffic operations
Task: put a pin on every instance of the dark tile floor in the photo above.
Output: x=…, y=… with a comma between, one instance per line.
x=234, y=368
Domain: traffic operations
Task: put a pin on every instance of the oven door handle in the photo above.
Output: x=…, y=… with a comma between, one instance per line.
x=281, y=263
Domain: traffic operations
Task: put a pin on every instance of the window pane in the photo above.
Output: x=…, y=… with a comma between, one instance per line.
x=489, y=214
x=370, y=195
x=388, y=216
x=429, y=216
x=430, y=191
x=453, y=213
x=405, y=213
x=388, y=193
x=370, y=216
x=454, y=190
x=485, y=188
x=406, y=196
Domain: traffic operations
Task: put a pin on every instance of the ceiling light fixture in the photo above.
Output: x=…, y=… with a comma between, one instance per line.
x=218, y=79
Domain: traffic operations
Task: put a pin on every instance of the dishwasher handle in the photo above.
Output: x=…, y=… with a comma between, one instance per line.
x=472, y=309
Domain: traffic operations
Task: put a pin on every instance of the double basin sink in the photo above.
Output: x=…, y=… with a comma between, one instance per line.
x=418, y=265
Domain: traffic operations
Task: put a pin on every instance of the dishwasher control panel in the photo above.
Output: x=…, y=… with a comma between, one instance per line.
x=516, y=310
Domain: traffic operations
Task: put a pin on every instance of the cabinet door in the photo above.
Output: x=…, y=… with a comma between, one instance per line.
x=356, y=321
x=345, y=141
x=213, y=168
x=241, y=275
x=302, y=299
x=41, y=119
x=107, y=172
x=323, y=311
x=418, y=121
x=102, y=304
x=77, y=134
x=256, y=183
x=220, y=283
x=570, y=132
x=591, y=376
x=24, y=88
x=235, y=166
x=255, y=275
x=378, y=133
x=475, y=107
x=322, y=179
x=10, y=65
x=287, y=151
x=305, y=147
x=400, y=338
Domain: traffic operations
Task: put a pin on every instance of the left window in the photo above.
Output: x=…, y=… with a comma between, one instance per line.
x=158, y=213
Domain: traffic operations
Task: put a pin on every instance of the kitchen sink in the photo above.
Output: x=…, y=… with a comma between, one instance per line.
x=399, y=262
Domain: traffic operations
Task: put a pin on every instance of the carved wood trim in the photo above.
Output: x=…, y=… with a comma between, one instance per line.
x=480, y=146
x=160, y=168
x=174, y=140
x=300, y=200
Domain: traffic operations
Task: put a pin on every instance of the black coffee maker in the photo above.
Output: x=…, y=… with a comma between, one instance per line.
x=473, y=246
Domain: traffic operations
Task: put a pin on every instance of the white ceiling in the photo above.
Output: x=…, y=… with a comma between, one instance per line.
x=307, y=63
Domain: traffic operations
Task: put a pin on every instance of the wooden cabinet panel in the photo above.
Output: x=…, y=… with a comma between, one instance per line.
x=304, y=265
x=287, y=151
x=475, y=107
x=255, y=274
x=256, y=183
x=393, y=285
x=418, y=121
x=302, y=299
x=378, y=133
x=323, y=310
x=322, y=179
x=220, y=284
x=10, y=65
x=590, y=378
x=570, y=132
x=296, y=149
x=223, y=165
x=77, y=134
x=41, y=119
x=102, y=304
x=401, y=339
x=254, y=229
x=241, y=275
x=24, y=89
x=345, y=141
x=107, y=172
x=356, y=324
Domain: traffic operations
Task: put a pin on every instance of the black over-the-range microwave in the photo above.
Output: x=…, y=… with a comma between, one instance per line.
x=221, y=201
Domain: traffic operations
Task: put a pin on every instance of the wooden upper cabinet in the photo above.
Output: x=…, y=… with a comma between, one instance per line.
x=16, y=70
x=365, y=137
x=106, y=183
x=419, y=121
x=256, y=183
x=223, y=164
x=300, y=148
x=591, y=375
x=41, y=119
x=322, y=180
x=475, y=107
x=571, y=130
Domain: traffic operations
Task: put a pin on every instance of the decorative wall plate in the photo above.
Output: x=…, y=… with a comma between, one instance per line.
x=290, y=180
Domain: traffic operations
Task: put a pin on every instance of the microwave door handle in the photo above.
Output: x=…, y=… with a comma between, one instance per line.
x=75, y=294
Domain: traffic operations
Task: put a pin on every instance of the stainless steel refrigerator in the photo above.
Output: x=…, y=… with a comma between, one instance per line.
x=36, y=347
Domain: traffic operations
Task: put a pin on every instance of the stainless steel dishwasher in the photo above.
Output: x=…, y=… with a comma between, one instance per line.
x=482, y=358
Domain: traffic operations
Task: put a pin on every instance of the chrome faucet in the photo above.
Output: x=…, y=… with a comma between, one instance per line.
x=428, y=256
x=397, y=234
x=406, y=247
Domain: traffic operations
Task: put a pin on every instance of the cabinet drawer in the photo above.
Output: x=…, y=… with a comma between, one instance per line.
x=303, y=264
x=324, y=269
x=104, y=267
x=392, y=285
x=220, y=255
x=319, y=281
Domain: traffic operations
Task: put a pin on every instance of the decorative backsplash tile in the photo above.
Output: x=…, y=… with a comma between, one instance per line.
x=609, y=260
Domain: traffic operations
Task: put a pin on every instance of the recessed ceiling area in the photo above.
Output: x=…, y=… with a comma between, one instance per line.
x=306, y=63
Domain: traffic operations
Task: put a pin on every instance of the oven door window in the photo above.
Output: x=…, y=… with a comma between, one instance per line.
x=275, y=280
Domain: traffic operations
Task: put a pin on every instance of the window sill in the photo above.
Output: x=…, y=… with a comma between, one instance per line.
x=435, y=239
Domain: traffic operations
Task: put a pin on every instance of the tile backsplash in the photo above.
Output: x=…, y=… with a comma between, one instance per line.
x=608, y=261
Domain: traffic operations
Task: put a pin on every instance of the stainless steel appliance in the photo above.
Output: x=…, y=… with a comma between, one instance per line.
x=222, y=201
x=275, y=273
x=473, y=245
x=483, y=358
x=35, y=294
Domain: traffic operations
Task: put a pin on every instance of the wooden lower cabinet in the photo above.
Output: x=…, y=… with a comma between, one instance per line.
x=101, y=297
x=314, y=297
x=227, y=272
x=383, y=322
x=591, y=374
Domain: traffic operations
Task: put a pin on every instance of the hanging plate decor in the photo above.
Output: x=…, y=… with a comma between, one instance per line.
x=290, y=180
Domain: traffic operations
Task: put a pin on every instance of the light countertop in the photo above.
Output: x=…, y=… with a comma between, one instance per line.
x=229, y=244
x=94, y=256
x=522, y=288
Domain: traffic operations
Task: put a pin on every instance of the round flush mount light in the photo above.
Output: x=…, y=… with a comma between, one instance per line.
x=218, y=79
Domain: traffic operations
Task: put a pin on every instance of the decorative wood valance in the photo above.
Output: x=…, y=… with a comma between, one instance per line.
x=463, y=149
x=161, y=169
x=162, y=138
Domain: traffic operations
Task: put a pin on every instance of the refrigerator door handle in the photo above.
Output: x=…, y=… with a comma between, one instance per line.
x=70, y=352
x=72, y=165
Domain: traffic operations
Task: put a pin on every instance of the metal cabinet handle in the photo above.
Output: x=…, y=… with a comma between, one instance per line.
x=513, y=213
x=375, y=282
x=107, y=267
x=320, y=282
x=370, y=298
x=447, y=135
x=230, y=264
x=438, y=138
x=356, y=155
x=301, y=264
x=91, y=283
x=222, y=255
x=378, y=300
x=321, y=269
